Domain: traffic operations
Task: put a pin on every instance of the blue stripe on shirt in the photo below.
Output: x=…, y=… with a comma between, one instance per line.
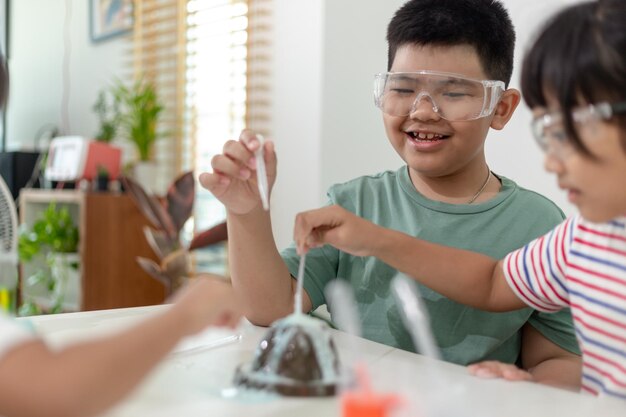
x=601, y=345
x=600, y=384
x=554, y=275
x=598, y=260
x=597, y=302
x=526, y=274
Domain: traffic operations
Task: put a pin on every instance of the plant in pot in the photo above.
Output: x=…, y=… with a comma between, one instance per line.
x=52, y=245
x=102, y=178
x=140, y=109
x=107, y=110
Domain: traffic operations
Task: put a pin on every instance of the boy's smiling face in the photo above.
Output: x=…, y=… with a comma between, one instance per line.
x=449, y=148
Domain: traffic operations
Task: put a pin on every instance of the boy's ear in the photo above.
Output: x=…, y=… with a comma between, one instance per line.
x=505, y=108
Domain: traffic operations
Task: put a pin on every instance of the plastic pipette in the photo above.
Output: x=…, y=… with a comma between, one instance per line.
x=261, y=173
x=346, y=318
x=416, y=320
x=415, y=316
x=297, y=309
x=362, y=401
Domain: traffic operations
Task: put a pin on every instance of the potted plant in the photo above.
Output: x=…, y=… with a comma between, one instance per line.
x=53, y=237
x=102, y=178
x=140, y=109
x=107, y=110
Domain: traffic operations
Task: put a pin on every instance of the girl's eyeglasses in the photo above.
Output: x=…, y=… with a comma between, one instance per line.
x=549, y=130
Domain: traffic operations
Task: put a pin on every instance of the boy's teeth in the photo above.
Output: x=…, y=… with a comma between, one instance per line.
x=427, y=136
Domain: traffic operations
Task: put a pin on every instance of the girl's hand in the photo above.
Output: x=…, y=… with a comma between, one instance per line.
x=207, y=301
x=494, y=369
x=334, y=226
x=234, y=181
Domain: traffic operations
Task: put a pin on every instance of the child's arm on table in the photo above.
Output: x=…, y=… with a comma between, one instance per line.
x=87, y=378
x=542, y=361
x=258, y=272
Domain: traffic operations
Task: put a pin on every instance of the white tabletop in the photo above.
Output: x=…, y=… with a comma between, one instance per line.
x=197, y=381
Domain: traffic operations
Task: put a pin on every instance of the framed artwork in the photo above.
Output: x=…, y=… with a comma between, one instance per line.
x=109, y=18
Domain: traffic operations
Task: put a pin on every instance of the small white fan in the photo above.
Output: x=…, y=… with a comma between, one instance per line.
x=8, y=247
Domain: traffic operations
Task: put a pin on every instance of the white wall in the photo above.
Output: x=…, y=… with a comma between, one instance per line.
x=297, y=110
x=36, y=66
x=343, y=137
x=512, y=152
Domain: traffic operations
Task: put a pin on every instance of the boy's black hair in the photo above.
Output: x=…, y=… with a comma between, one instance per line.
x=578, y=58
x=482, y=24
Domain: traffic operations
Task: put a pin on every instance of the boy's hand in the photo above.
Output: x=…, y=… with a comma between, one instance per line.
x=494, y=369
x=206, y=301
x=335, y=226
x=233, y=181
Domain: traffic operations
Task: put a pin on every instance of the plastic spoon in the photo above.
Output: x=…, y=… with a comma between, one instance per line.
x=261, y=174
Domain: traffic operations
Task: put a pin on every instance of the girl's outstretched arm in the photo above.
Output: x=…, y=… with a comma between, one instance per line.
x=463, y=276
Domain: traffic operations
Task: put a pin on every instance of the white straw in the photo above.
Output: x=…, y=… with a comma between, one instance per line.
x=415, y=316
x=261, y=174
x=298, y=301
x=345, y=316
x=345, y=313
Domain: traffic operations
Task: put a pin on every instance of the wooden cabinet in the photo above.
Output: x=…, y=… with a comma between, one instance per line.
x=110, y=238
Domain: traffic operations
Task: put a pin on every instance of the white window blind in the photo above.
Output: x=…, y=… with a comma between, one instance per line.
x=227, y=84
x=210, y=62
x=159, y=56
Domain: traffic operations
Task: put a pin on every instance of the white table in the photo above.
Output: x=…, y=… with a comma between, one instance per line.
x=197, y=384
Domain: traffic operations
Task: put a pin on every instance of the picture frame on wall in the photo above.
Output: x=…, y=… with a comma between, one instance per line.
x=110, y=18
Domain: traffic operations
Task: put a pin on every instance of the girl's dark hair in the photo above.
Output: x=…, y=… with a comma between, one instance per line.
x=4, y=81
x=483, y=24
x=579, y=58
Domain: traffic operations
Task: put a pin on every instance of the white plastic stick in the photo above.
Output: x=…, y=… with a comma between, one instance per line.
x=345, y=314
x=261, y=174
x=340, y=295
x=415, y=316
x=195, y=346
x=297, y=309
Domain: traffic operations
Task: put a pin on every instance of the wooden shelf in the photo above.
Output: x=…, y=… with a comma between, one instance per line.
x=110, y=238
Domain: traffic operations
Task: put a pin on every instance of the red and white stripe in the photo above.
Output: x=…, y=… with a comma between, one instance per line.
x=582, y=266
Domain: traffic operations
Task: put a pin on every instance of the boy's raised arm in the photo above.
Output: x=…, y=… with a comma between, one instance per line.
x=466, y=277
x=258, y=272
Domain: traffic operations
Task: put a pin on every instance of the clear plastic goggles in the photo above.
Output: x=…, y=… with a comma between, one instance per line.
x=549, y=129
x=452, y=97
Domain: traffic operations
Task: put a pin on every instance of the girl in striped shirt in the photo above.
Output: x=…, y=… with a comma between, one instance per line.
x=574, y=79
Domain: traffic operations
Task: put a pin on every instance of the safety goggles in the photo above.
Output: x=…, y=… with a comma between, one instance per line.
x=549, y=129
x=451, y=96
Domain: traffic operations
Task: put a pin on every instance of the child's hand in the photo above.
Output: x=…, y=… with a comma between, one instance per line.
x=494, y=369
x=206, y=301
x=335, y=226
x=233, y=181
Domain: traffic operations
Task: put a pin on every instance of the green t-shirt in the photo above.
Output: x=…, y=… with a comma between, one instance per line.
x=496, y=227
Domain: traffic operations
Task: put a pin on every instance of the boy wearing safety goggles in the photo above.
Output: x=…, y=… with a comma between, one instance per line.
x=448, y=65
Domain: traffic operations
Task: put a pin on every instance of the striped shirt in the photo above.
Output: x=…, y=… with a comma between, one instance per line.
x=581, y=265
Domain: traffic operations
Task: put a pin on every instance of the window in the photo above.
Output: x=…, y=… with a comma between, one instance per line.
x=211, y=62
x=227, y=83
